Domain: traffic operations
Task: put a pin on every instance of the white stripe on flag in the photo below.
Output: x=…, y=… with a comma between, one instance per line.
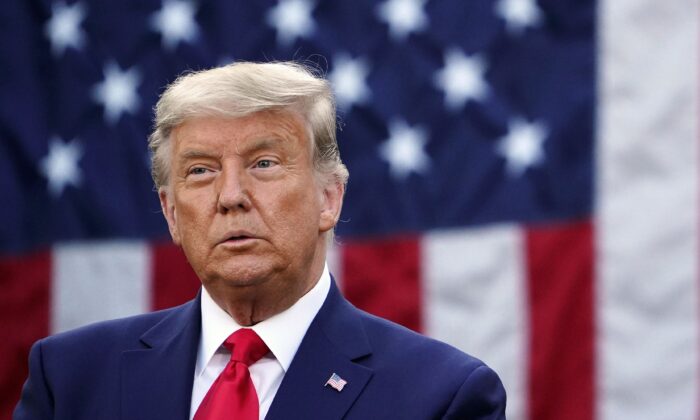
x=474, y=299
x=647, y=228
x=335, y=263
x=98, y=281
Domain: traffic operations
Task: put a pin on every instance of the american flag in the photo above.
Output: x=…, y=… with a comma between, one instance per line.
x=524, y=178
x=336, y=382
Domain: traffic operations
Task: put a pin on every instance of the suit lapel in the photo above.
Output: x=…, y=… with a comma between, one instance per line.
x=157, y=378
x=332, y=344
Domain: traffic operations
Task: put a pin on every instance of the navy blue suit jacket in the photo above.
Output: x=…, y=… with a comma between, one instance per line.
x=142, y=368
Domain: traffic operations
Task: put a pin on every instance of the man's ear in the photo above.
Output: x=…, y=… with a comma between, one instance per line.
x=331, y=204
x=168, y=207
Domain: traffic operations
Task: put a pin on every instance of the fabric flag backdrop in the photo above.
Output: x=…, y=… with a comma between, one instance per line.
x=524, y=178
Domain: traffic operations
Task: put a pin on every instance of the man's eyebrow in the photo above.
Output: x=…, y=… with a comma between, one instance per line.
x=261, y=144
x=196, y=154
x=253, y=147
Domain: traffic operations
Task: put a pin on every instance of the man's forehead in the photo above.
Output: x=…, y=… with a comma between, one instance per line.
x=249, y=126
x=196, y=136
x=193, y=150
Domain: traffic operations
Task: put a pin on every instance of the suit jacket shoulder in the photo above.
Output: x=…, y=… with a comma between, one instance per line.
x=88, y=372
x=425, y=370
x=391, y=372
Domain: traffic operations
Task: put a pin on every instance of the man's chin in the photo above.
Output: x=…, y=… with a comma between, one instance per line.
x=240, y=276
x=242, y=282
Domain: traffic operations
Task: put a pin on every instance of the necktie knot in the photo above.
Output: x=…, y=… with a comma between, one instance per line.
x=233, y=394
x=246, y=346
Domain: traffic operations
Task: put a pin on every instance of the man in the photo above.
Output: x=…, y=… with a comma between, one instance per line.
x=251, y=184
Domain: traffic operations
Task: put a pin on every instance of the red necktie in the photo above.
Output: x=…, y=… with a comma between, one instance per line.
x=233, y=396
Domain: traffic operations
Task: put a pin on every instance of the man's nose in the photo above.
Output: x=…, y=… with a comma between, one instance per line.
x=233, y=190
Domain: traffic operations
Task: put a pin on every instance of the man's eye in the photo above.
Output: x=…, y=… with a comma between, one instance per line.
x=264, y=163
x=198, y=171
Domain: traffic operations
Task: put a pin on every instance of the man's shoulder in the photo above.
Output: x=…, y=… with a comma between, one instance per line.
x=392, y=346
x=403, y=345
x=111, y=334
x=427, y=377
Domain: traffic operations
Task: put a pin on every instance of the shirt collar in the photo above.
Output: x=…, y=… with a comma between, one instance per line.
x=281, y=333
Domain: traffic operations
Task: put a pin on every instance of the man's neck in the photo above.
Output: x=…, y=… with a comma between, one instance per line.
x=248, y=305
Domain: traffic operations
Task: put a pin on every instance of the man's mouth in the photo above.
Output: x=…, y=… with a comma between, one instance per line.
x=238, y=237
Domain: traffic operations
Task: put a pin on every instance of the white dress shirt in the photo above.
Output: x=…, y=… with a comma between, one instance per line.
x=281, y=333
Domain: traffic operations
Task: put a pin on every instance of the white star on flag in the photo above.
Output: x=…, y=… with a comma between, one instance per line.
x=176, y=23
x=462, y=78
x=522, y=146
x=117, y=92
x=60, y=166
x=63, y=28
x=349, y=80
x=404, y=149
x=403, y=17
x=291, y=19
x=519, y=14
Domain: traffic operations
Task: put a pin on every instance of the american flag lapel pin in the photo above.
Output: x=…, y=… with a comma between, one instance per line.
x=336, y=382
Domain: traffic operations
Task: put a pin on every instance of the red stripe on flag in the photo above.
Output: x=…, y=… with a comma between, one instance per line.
x=173, y=280
x=24, y=318
x=560, y=277
x=383, y=277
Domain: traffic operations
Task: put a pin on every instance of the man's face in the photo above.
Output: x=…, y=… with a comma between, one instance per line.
x=244, y=203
